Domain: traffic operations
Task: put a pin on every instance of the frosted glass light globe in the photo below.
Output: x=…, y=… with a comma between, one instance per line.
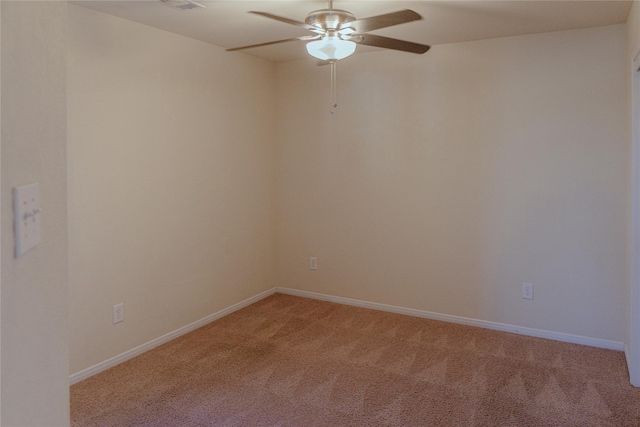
x=331, y=48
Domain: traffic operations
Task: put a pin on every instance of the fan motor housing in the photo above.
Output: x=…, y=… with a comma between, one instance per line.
x=329, y=18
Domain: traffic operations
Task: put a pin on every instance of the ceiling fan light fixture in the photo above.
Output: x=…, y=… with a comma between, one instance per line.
x=331, y=48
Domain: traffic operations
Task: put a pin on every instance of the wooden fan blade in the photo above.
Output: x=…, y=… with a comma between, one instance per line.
x=389, y=43
x=289, y=21
x=381, y=21
x=273, y=42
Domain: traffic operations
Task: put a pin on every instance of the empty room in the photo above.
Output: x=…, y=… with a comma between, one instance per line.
x=320, y=213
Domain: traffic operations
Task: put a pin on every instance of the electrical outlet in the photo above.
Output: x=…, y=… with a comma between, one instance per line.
x=313, y=263
x=527, y=290
x=118, y=313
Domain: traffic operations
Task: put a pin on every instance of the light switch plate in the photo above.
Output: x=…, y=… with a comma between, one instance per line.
x=27, y=214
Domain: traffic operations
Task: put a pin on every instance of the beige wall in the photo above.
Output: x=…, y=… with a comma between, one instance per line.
x=171, y=182
x=633, y=322
x=446, y=180
x=34, y=371
x=633, y=31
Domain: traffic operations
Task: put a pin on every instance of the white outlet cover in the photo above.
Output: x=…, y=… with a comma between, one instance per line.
x=27, y=217
x=118, y=313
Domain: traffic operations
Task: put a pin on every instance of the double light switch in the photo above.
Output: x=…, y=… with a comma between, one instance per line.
x=27, y=217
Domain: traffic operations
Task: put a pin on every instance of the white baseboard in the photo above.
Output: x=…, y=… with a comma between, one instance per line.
x=539, y=333
x=109, y=363
x=557, y=336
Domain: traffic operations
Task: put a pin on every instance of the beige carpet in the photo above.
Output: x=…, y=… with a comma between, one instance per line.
x=290, y=361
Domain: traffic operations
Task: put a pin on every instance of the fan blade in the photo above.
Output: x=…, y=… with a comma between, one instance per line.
x=389, y=43
x=381, y=21
x=289, y=21
x=274, y=42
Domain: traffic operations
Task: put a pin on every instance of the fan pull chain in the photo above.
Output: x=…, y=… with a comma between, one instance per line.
x=334, y=102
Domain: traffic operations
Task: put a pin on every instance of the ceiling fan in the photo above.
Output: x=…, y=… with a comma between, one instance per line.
x=337, y=32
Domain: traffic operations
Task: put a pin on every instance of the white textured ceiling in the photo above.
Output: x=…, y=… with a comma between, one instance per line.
x=227, y=23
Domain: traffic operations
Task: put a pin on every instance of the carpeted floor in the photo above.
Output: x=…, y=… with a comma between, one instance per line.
x=291, y=361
